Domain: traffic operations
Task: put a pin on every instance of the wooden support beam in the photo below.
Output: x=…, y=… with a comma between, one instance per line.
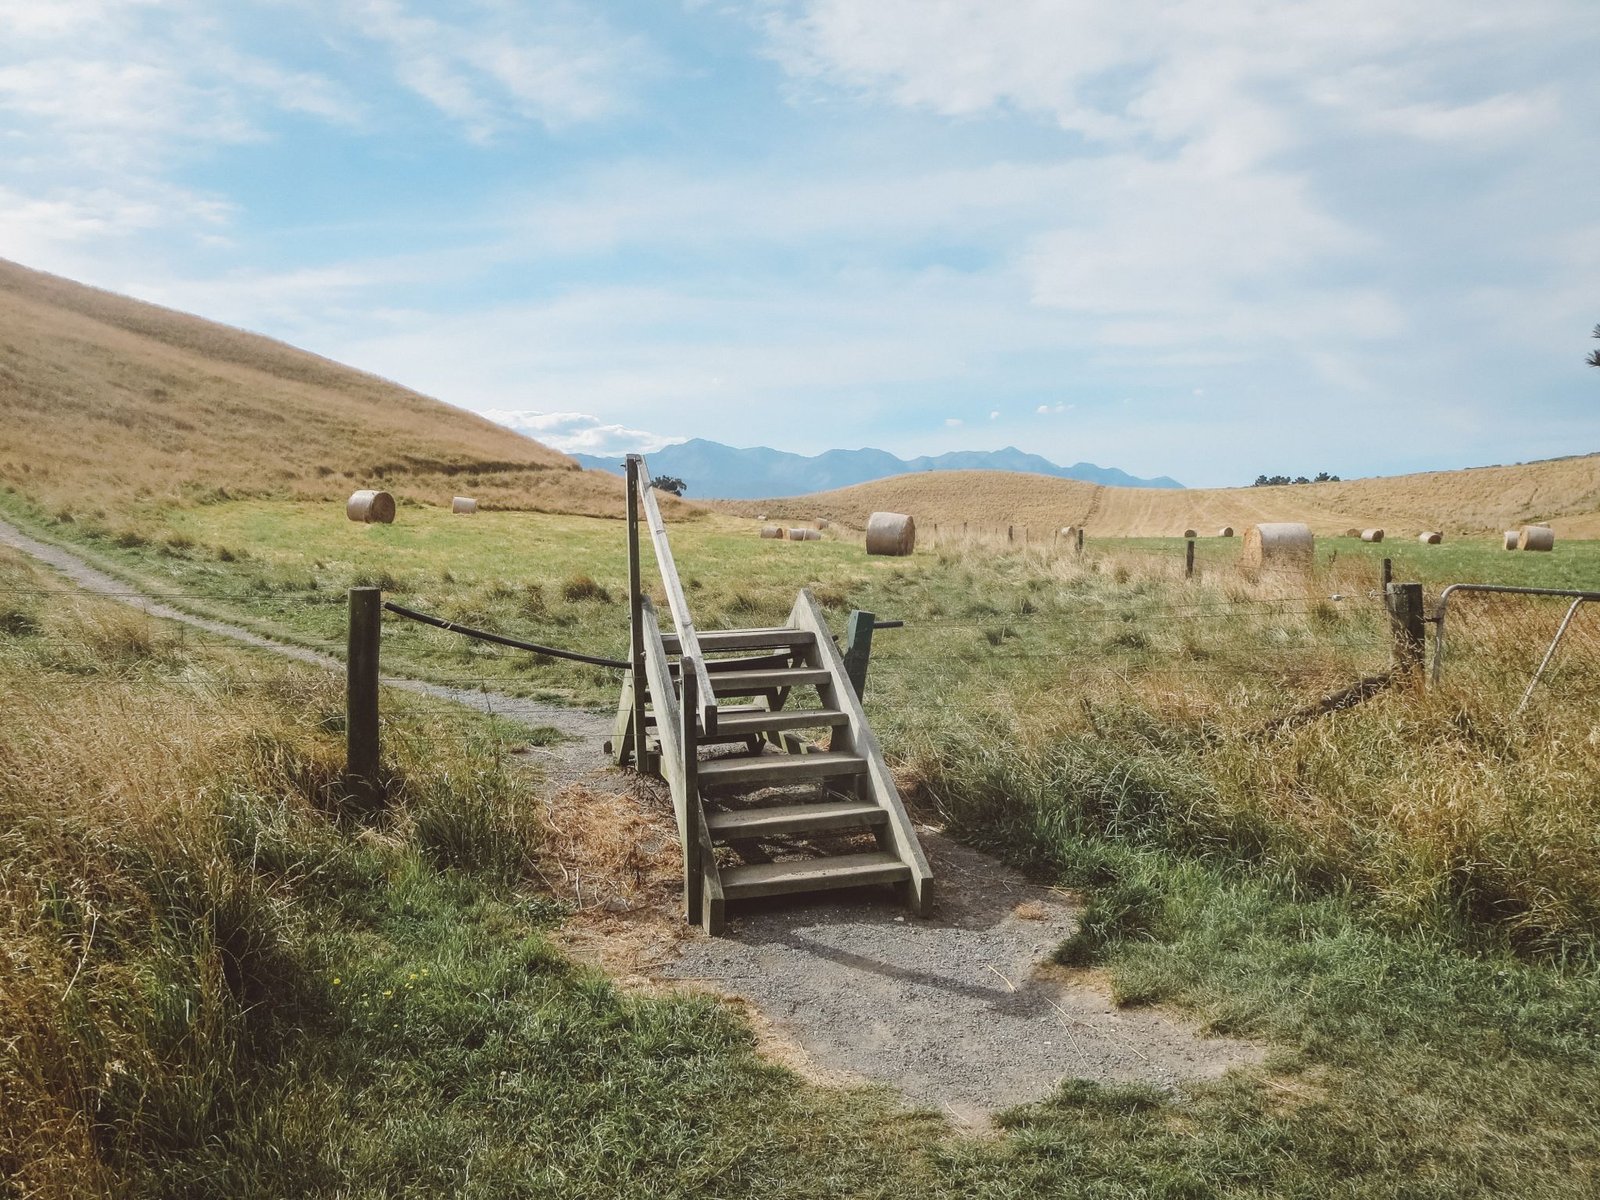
x=1406, y=625
x=858, y=647
x=361, y=694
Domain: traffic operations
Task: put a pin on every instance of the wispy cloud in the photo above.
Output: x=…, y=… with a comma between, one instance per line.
x=580, y=433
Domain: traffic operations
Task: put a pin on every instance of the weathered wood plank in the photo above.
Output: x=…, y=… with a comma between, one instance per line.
x=779, y=768
x=813, y=875
x=767, y=721
x=715, y=641
x=747, y=683
x=794, y=818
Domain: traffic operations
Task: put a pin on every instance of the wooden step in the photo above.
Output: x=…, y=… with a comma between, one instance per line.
x=740, y=724
x=714, y=641
x=747, y=683
x=778, y=768
x=794, y=818
x=812, y=874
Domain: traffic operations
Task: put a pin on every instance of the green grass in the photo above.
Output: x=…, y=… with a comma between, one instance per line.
x=1402, y=900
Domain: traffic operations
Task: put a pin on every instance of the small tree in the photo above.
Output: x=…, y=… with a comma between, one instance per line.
x=669, y=483
x=1594, y=355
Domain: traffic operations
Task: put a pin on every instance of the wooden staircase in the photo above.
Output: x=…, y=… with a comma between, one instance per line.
x=778, y=784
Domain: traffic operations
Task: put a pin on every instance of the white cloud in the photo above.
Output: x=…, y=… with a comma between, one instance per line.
x=1055, y=408
x=995, y=415
x=953, y=422
x=580, y=433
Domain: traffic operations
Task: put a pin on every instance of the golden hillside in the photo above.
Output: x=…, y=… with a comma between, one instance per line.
x=106, y=400
x=1564, y=492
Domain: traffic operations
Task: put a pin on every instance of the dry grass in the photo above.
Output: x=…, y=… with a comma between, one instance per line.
x=1563, y=492
x=108, y=402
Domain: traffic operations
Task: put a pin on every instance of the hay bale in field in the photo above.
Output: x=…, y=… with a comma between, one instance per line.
x=1352, y=533
x=1537, y=537
x=771, y=531
x=1512, y=539
x=822, y=524
x=891, y=533
x=370, y=507
x=1225, y=531
x=464, y=505
x=1278, y=545
x=1189, y=533
x=1431, y=538
x=804, y=535
x=1372, y=535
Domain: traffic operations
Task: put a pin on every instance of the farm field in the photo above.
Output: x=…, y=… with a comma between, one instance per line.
x=1401, y=899
x=1563, y=492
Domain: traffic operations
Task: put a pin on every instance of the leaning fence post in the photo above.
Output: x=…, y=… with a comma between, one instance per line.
x=1406, y=626
x=361, y=692
x=858, y=648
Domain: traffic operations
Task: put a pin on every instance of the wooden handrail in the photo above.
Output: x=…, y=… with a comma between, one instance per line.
x=683, y=624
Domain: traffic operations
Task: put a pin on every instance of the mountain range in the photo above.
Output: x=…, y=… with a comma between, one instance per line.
x=713, y=471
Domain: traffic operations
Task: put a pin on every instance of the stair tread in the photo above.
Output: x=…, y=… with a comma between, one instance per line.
x=795, y=818
x=812, y=874
x=743, y=683
x=763, y=720
x=762, y=768
x=744, y=639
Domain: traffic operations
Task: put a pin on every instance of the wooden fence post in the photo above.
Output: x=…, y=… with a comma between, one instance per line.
x=1406, y=626
x=858, y=648
x=361, y=693
x=1080, y=539
x=634, y=744
x=1388, y=575
x=1188, y=560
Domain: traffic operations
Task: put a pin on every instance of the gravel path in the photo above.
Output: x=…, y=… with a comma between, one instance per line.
x=962, y=1012
x=571, y=759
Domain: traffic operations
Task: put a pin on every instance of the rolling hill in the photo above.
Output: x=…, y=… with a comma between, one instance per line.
x=714, y=470
x=1565, y=492
x=107, y=401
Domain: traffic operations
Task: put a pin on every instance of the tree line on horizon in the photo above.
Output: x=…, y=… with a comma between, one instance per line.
x=1279, y=480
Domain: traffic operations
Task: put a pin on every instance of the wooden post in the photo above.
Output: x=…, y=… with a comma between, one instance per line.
x=858, y=648
x=1406, y=626
x=688, y=714
x=634, y=744
x=1188, y=560
x=1080, y=539
x=361, y=693
x=1388, y=574
x=1010, y=533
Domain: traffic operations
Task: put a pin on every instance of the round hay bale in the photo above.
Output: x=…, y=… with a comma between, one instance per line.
x=371, y=507
x=1352, y=533
x=771, y=531
x=822, y=524
x=1278, y=545
x=1069, y=532
x=1189, y=533
x=1431, y=537
x=1537, y=537
x=1512, y=540
x=804, y=535
x=891, y=533
x=1225, y=531
x=464, y=505
x=1372, y=535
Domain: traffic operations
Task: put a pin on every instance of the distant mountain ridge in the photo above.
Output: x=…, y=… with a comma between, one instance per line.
x=714, y=471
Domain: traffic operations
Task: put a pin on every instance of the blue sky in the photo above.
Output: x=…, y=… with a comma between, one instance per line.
x=1204, y=238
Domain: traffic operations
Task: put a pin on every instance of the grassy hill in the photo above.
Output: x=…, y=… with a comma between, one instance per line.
x=1563, y=491
x=108, y=402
